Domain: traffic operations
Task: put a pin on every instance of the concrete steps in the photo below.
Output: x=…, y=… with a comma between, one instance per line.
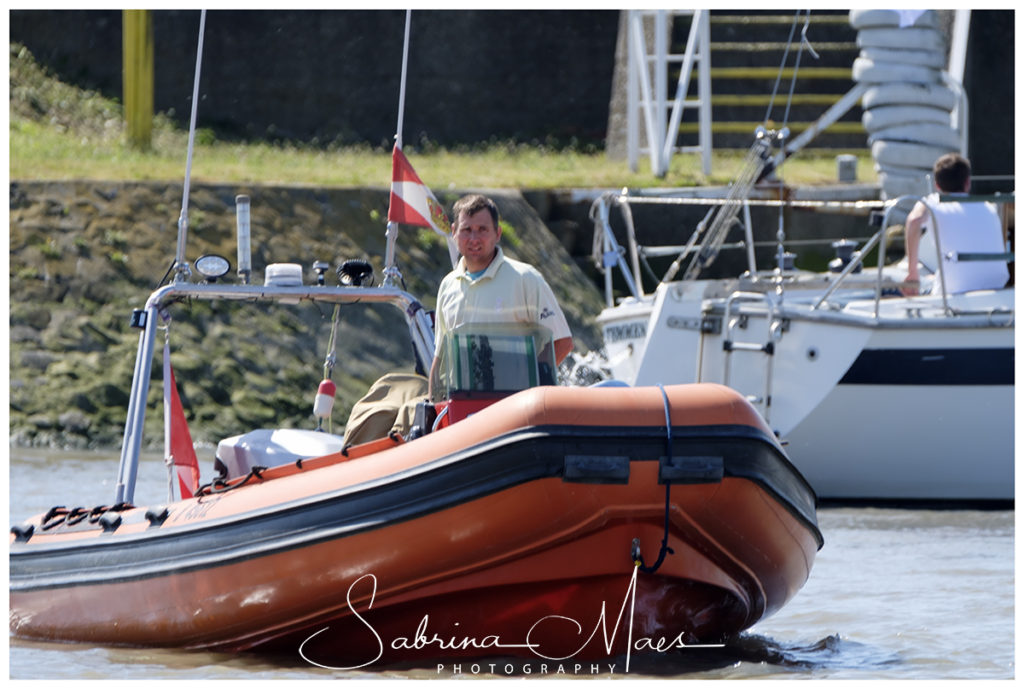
x=747, y=49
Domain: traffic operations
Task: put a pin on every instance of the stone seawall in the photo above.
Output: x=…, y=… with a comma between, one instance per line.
x=85, y=254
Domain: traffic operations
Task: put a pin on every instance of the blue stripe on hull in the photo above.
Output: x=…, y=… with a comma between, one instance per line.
x=990, y=366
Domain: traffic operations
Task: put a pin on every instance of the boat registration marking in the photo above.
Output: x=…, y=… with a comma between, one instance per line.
x=627, y=331
x=197, y=510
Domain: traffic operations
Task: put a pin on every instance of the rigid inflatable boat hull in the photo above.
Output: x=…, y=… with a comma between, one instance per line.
x=480, y=533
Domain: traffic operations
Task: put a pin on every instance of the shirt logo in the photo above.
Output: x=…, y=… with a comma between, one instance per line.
x=546, y=312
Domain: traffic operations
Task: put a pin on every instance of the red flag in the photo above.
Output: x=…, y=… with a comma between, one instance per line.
x=412, y=202
x=177, y=439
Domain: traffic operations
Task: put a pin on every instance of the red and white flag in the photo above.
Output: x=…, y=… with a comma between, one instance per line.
x=177, y=438
x=412, y=202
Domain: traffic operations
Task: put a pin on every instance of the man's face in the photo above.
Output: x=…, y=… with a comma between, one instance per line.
x=477, y=238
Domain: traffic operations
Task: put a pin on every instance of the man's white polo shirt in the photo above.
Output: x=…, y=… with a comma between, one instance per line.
x=508, y=291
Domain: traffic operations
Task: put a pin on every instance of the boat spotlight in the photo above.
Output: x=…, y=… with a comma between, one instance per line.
x=212, y=267
x=354, y=273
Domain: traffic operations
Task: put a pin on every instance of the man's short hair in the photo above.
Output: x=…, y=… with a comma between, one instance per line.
x=472, y=204
x=951, y=172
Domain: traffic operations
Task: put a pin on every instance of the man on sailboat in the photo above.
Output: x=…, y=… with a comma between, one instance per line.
x=962, y=227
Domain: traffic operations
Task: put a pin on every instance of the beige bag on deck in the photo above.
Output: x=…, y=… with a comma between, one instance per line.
x=384, y=408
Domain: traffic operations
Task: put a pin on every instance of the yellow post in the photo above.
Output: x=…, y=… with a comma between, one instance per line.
x=137, y=35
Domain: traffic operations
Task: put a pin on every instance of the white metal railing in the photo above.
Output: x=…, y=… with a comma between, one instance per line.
x=610, y=254
x=420, y=330
x=647, y=93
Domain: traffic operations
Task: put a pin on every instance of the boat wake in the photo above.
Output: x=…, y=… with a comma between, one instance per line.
x=833, y=651
x=747, y=651
x=748, y=655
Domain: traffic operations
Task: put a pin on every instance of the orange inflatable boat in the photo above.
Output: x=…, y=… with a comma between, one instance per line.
x=553, y=522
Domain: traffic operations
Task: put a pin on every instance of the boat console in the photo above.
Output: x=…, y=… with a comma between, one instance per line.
x=480, y=363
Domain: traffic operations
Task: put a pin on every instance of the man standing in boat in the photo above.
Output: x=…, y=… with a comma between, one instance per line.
x=487, y=287
x=962, y=227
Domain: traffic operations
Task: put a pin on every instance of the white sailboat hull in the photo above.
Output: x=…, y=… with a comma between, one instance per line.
x=909, y=442
x=909, y=403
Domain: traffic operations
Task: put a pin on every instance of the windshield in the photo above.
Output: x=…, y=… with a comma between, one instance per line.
x=494, y=358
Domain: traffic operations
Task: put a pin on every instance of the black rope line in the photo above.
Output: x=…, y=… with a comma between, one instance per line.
x=62, y=516
x=219, y=485
x=638, y=558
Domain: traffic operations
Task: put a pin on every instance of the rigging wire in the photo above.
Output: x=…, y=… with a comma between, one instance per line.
x=804, y=43
x=783, y=131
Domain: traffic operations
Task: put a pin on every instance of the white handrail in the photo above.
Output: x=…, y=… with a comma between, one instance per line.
x=420, y=330
x=609, y=253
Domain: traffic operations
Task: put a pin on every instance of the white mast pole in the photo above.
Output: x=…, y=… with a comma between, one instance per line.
x=401, y=88
x=182, y=271
x=391, y=275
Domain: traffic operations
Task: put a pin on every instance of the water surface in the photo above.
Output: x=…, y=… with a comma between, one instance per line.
x=894, y=594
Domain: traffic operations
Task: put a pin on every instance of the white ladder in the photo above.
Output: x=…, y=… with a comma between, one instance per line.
x=647, y=93
x=763, y=401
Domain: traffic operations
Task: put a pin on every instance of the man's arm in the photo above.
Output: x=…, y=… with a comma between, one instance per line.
x=552, y=317
x=912, y=238
x=563, y=346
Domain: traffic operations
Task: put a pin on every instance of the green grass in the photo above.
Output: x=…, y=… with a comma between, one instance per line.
x=39, y=152
x=59, y=132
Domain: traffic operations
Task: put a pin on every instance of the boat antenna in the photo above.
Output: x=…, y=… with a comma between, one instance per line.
x=391, y=275
x=401, y=87
x=181, y=269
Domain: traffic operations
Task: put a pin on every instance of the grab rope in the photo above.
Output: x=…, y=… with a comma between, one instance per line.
x=219, y=485
x=62, y=516
x=638, y=559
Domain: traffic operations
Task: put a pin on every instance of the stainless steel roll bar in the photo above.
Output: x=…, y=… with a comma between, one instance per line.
x=420, y=329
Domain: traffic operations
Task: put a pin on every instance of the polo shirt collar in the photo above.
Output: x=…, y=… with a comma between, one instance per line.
x=491, y=271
